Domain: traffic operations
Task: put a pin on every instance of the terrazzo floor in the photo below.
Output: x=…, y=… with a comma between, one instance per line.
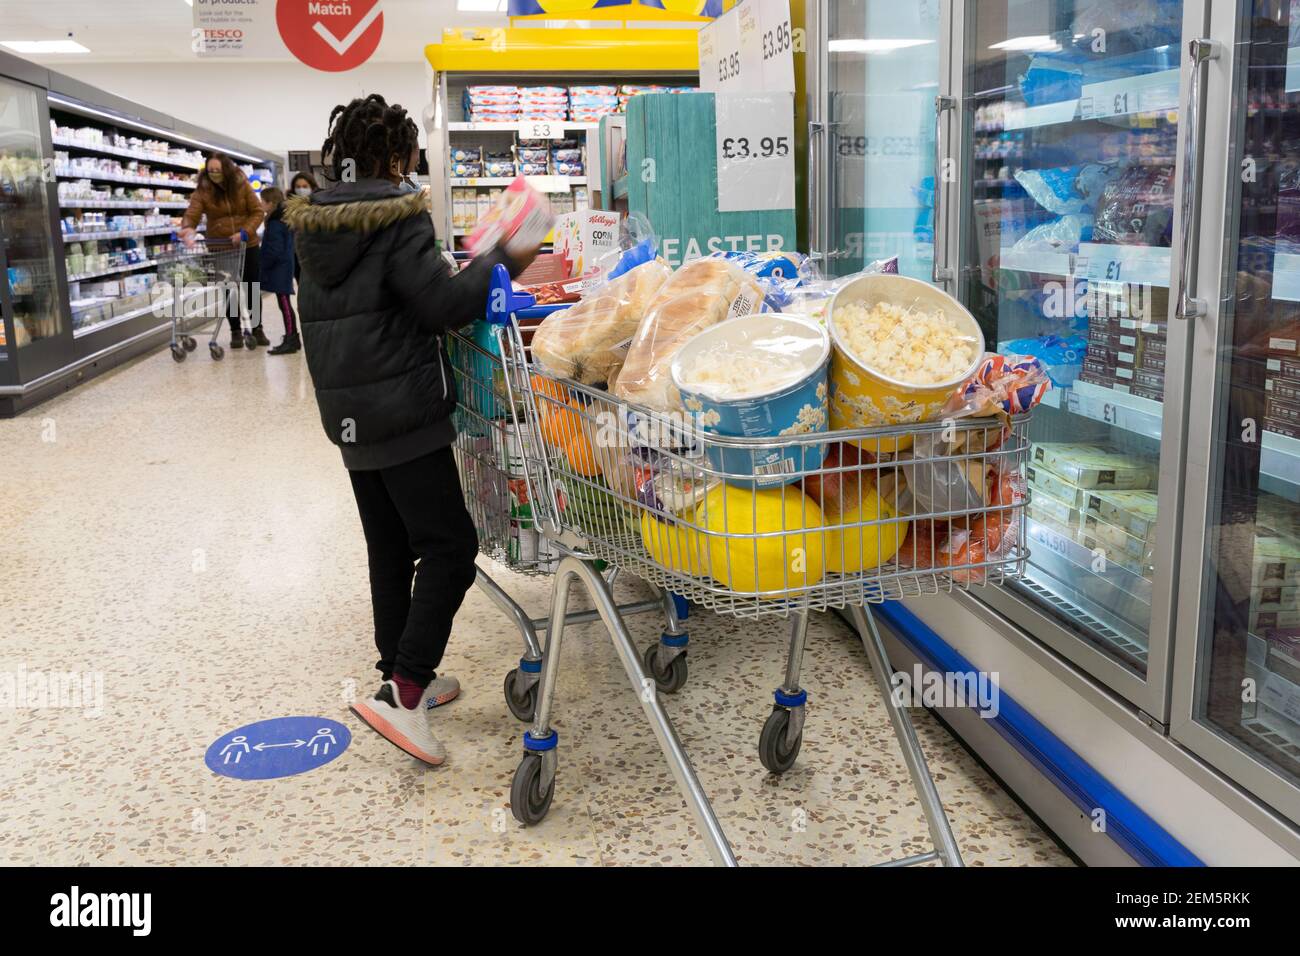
x=187, y=533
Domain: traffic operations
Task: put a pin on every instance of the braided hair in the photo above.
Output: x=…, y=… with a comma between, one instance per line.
x=370, y=133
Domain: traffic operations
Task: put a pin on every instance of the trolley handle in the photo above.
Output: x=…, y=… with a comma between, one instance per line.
x=503, y=300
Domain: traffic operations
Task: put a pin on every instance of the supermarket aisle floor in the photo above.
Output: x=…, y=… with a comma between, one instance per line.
x=186, y=532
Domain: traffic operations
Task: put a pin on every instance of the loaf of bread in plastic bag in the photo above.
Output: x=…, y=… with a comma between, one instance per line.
x=699, y=295
x=588, y=341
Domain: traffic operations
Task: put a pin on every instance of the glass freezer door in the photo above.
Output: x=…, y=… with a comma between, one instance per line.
x=1071, y=167
x=882, y=78
x=1237, y=699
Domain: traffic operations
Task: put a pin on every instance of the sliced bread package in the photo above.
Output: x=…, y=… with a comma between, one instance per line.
x=698, y=296
x=588, y=342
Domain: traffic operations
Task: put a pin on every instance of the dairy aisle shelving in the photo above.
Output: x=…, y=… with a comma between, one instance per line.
x=94, y=189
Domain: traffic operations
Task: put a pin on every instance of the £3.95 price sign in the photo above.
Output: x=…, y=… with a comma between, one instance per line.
x=755, y=137
x=739, y=147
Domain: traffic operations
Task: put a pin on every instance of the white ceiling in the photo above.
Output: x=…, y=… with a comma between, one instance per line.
x=143, y=31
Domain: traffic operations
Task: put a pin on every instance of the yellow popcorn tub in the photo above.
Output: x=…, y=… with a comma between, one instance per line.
x=861, y=396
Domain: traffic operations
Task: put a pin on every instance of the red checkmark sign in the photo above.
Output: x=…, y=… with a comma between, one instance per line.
x=330, y=35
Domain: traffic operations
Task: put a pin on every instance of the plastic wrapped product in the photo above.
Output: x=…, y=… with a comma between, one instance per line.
x=699, y=295
x=588, y=342
x=1059, y=235
x=1067, y=189
x=1137, y=208
x=519, y=219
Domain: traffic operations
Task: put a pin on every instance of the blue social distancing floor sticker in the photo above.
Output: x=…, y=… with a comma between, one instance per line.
x=279, y=747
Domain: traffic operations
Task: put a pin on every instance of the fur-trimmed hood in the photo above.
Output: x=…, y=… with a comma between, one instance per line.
x=335, y=227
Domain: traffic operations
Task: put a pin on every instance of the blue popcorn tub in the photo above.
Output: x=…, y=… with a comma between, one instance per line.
x=759, y=376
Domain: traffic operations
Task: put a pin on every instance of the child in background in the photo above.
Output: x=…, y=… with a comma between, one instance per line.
x=277, y=267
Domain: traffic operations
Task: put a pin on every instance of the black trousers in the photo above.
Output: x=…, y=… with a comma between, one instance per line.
x=252, y=304
x=421, y=544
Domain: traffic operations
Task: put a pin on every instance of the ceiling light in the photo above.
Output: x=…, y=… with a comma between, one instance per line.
x=874, y=45
x=45, y=46
x=1031, y=44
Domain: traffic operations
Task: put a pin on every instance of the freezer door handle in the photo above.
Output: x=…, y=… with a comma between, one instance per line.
x=1200, y=51
x=940, y=274
x=816, y=190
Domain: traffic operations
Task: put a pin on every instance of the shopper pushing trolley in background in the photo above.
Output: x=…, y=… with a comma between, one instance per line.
x=234, y=212
x=375, y=301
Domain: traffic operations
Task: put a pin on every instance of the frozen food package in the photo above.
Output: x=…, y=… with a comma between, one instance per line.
x=1059, y=235
x=588, y=342
x=518, y=220
x=1137, y=208
x=1067, y=189
x=532, y=169
x=1091, y=466
x=471, y=155
x=699, y=295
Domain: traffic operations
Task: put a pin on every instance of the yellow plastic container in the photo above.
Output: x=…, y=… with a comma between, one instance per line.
x=862, y=397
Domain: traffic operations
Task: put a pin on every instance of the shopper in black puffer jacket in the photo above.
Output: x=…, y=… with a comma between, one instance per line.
x=375, y=301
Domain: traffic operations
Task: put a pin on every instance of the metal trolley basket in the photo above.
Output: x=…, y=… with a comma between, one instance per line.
x=490, y=458
x=204, y=282
x=695, y=516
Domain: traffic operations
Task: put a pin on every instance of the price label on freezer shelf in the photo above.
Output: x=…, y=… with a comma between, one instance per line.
x=1149, y=93
x=1131, y=265
x=541, y=130
x=755, y=149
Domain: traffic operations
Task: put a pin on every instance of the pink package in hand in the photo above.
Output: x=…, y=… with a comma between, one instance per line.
x=519, y=220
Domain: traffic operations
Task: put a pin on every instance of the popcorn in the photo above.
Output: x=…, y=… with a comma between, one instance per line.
x=918, y=348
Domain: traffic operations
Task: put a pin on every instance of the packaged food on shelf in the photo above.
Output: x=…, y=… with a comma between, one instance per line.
x=467, y=170
x=1067, y=190
x=462, y=154
x=588, y=342
x=699, y=295
x=1091, y=466
x=1046, y=480
x=533, y=156
x=533, y=169
x=499, y=168
x=1137, y=207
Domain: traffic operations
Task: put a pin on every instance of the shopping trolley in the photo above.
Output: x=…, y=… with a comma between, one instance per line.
x=490, y=454
x=695, y=516
x=207, y=276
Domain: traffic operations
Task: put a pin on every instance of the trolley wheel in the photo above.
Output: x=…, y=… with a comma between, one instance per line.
x=250, y=342
x=189, y=343
x=216, y=351
x=668, y=679
x=527, y=802
x=775, y=749
x=523, y=704
x=178, y=353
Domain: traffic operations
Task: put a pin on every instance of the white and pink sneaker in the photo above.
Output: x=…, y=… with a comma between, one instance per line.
x=403, y=727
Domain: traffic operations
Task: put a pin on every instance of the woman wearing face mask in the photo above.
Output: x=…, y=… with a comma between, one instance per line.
x=303, y=184
x=233, y=213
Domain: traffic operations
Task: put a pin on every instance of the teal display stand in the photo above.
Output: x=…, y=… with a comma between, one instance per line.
x=672, y=178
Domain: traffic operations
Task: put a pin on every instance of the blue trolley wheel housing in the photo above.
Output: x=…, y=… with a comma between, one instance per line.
x=529, y=667
x=790, y=700
x=535, y=745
